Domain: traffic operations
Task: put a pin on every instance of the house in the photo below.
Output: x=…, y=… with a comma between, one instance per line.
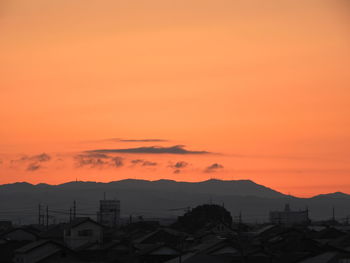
x=53, y=232
x=328, y=233
x=158, y=253
x=203, y=258
x=161, y=236
x=20, y=234
x=82, y=231
x=5, y=226
x=44, y=251
x=7, y=249
x=342, y=242
x=328, y=257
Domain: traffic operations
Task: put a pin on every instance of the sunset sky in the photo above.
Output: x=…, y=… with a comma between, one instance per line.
x=179, y=89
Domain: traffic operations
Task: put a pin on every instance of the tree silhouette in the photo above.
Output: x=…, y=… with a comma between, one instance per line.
x=202, y=216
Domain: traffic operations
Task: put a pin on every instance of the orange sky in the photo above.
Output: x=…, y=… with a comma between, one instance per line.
x=263, y=86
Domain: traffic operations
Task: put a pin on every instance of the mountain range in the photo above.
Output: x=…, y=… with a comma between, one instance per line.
x=160, y=199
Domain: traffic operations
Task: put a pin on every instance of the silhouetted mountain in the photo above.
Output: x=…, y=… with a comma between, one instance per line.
x=339, y=195
x=213, y=187
x=162, y=198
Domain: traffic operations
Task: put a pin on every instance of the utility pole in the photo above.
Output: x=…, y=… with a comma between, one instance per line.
x=47, y=216
x=115, y=218
x=333, y=215
x=70, y=215
x=39, y=215
x=74, y=210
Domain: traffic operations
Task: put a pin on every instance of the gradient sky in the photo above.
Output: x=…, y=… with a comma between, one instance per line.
x=262, y=87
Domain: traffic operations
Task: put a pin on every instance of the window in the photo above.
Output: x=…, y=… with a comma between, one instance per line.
x=85, y=233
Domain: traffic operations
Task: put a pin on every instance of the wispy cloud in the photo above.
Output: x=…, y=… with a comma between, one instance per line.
x=214, y=167
x=93, y=160
x=148, y=163
x=34, y=158
x=33, y=167
x=98, y=160
x=117, y=161
x=143, y=162
x=135, y=140
x=178, y=166
x=177, y=149
x=33, y=162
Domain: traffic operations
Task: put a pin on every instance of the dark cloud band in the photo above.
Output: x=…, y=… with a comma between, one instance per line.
x=135, y=140
x=177, y=149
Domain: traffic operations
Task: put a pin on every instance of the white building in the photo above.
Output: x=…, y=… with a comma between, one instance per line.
x=289, y=217
x=109, y=214
x=83, y=231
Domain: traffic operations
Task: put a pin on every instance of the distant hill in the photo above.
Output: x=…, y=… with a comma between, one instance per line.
x=338, y=195
x=238, y=187
x=162, y=198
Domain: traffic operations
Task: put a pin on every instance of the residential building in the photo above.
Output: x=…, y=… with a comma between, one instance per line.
x=289, y=217
x=82, y=231
x=109, y=214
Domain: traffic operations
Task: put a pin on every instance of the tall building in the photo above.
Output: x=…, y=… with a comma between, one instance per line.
x=289, y=217
x=109, y=214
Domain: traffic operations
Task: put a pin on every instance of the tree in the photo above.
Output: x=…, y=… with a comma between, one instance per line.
x=202, y=216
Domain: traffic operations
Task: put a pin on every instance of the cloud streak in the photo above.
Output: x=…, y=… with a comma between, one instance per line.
x=34, y=158
x=34, y=162
x=143, y=162
x=177, y=149
x=135, y=140
x=98, y=160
